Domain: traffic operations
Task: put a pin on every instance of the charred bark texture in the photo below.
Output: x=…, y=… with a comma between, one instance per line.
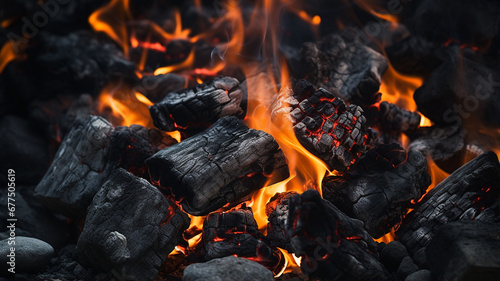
x=130, y=228
x=379, y=188
x=396, y=119
x=222, y=165
x=236, y=233
x=332, y=245
x=79, y=168
x=199, y=106
x=277, y=212
x=466, y=195
x=324, y=125
x=351, y=68
x=131, y=146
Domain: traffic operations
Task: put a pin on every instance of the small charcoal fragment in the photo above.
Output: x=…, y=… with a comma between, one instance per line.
x=199, y=106
x=277, y=213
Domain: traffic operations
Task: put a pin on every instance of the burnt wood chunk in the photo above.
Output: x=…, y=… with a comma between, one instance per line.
x=221, y=165
x=156, y=87
x=324, y=124
x=332, y=245
x=464, y=196
x=355, y=70
x=131, y=146
x=396, y=119
x=236, y=233
x=379, y=188
x=277, y=212
x=130, y=228
x=445, y=145
x=199, y=106
x=79, y=168
x=228, y=268
x=465, y=251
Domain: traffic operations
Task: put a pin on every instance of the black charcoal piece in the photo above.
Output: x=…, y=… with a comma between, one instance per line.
x=463, y=196
x=228, y=268
x=236, y=233
x=465, y=251
x=221, y=165
x=351, y=68
x=332, y=245
x=130, y=228
x=79, y=168
x=277, y=212
x=445, y=145
x=199, y=106
x=156, y=87
x=406, y=268
x=392, y=255
x=395, y=119
x=324, y=124
x=131, y=146
x=379, y=188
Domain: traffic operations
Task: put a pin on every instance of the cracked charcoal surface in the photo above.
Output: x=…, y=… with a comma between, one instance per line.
x=222, y=165
x=378, y=189
x=277, y=212
x=467, y=194
x=79, y=168
x=130, y=228
x=131, y=146
x=199, y=106
x=236, y=233
x=445, y=145
x=474, y=246
x=324, y=125
x=396, y=119
x=351, y=68
x=333, y=246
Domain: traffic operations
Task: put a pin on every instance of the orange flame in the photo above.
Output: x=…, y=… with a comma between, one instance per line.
x=7, y=54
x=398, y=89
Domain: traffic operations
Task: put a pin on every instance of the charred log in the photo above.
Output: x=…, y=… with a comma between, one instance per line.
x=324, y=125
x=396, y=119
x=332, y=245
x=79, y=168
x=222, y=165
x=464, y=196
x=199, y=106
x=130, y=228
x=445, y=145
x=351, y=68
x=236, y=233
x=379, y=188
x=277, y=212
x=131, y=146
x=465, y=251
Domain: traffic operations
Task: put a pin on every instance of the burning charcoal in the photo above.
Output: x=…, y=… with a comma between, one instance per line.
x=379, y=188
x=130, y=228
x=349, y=67
x=324, y=125
x=222, y=165
x=155, y=88
x=131, y=146
x=236, y=233
x=277, y=213
x=395, y=119
x=467, y=22
x=332, y=245
x=228, y=268
x=415, y=56
x=23, y=149
x=445, y=145
x=465, y=251
x=199, y=106
x=463, y=196
x=459, y=89
x=79, y=168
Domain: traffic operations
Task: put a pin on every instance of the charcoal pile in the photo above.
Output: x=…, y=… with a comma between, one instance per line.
x=250, y=140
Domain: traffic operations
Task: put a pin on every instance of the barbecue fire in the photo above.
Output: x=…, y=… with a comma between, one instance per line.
x=279, y=139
